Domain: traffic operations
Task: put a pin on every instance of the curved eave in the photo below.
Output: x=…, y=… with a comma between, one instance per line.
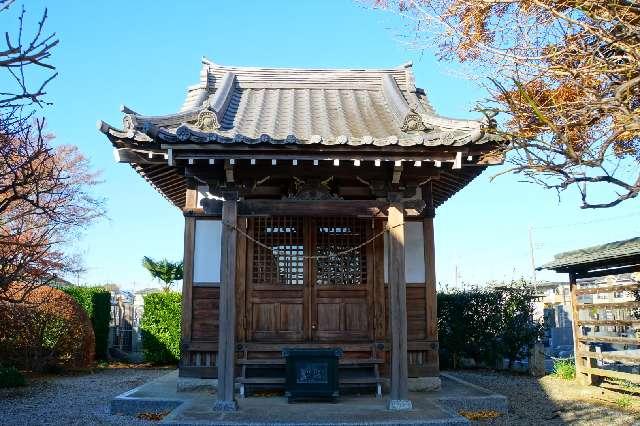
x=131, y=135
x=186, y=133
x=166, y=180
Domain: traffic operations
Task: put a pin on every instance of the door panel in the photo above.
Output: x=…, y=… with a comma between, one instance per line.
x=291, y=318
x=341, y=297
x=276, y=291
x=264, y=315
x=329, y=317
x=355, y=317
x=319, y=299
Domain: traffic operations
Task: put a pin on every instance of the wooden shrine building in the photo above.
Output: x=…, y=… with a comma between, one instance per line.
x=309, y=197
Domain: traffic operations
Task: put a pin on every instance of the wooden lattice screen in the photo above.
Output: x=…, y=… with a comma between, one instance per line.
x=284, y=263
x=335, y=235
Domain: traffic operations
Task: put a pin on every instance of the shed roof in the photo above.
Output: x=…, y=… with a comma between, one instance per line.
x=613, y=253
x=247, y=105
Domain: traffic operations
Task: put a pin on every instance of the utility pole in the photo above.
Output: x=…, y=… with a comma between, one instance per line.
x=455, y=277
x=533, y=260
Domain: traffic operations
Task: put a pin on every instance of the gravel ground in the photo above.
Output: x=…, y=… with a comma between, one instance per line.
x=84, y=399
x=72, y=400
x=552, y=401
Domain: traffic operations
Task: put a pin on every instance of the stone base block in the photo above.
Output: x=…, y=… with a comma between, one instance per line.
x=424, y=384
x=220, y=405
x=399, y=405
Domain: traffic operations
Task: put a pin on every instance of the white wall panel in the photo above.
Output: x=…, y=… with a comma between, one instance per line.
x=206, y=257
x=414, y=269
x=413, y=252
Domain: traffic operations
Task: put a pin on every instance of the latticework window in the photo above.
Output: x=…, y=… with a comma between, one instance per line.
x=284, y=263
x=334, y=237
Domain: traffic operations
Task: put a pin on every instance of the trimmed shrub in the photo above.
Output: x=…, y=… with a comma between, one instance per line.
x=96, y=302
x=160, y=327
x=10, y=377
x=44, y=329
x=487, y=324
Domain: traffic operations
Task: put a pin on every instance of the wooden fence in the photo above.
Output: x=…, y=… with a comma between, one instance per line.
x=606, y=326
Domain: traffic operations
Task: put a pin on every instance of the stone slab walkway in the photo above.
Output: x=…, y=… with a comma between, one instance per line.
x=196, y=408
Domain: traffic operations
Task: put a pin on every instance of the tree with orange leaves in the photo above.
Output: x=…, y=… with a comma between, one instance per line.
x=45, y=197
x=564, y=73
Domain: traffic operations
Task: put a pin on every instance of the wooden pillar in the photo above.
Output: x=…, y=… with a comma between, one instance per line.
x=227, y=327
x=399, y=396
x=431, y=302
x=187, y=276
x=187, y=282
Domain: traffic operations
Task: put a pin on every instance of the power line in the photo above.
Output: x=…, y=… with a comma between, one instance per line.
x=586, y=222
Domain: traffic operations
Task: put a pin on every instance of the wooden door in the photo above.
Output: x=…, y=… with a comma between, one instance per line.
x=341, y=295
x=276, y=291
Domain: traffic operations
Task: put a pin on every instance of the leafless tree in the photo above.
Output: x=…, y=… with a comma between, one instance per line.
x=45, y=191
x=21, y=56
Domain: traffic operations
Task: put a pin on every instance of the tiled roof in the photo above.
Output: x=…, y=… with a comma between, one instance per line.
x=595, y=254
x=303, y=106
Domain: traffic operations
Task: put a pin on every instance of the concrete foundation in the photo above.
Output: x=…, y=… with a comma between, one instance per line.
x=424, y=384
x=189, y=407
x=190, y=384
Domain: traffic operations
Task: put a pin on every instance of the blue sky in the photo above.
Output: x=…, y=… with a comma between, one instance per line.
x=144, y=54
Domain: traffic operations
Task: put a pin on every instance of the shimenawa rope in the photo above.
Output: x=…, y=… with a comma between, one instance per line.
x=275, y=252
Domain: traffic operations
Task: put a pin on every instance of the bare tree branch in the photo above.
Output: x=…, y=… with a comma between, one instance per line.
x=566, y=76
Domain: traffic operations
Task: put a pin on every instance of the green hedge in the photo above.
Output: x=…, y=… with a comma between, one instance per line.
x=96, y=301
x=160, y=327
x=487, y=324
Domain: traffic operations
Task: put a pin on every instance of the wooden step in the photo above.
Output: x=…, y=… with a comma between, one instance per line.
x=274, y=361
x=362, y=381
x=282, y=361
x=358, y=361
x=281, y=380
x=261, y=380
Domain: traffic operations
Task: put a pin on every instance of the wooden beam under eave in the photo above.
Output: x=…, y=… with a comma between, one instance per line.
x=166, y=180
x=174, y=185
x=191, y=195
x=160, y=173
x=127, y=155
x=318, y=152
x=609, y=271
x=177, y=196
x=354, y=208
x=354, y=191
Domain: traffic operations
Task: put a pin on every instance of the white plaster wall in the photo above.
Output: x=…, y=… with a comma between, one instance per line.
x=414, y=268
x=206, y=254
